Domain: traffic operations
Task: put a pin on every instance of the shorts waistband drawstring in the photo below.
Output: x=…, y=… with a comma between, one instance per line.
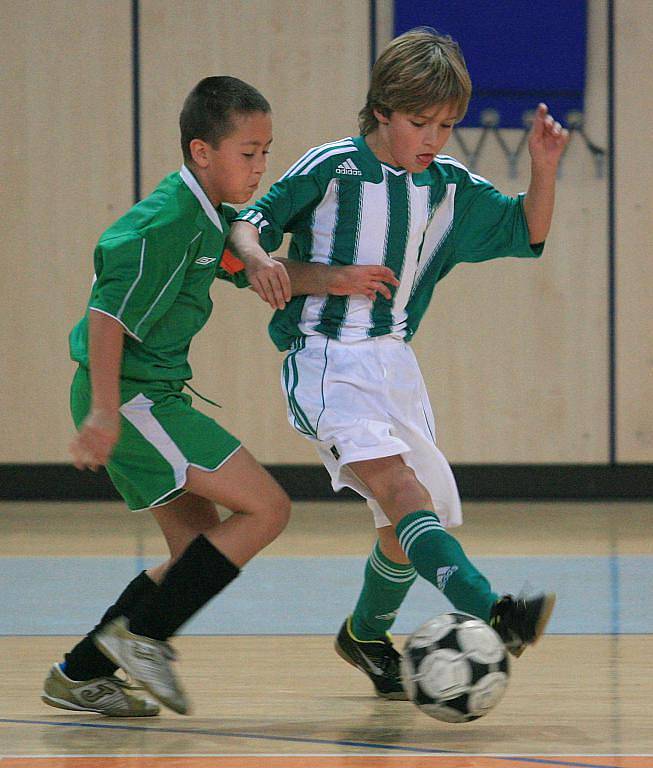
x=201, y=397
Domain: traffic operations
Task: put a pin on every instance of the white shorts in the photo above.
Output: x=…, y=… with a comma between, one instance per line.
x=365, y=400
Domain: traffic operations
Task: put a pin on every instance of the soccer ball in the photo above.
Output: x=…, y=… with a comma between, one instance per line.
x=455, y=668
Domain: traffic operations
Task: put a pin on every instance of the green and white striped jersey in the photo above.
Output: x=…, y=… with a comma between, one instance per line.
x=343, y=206
x=154, y=268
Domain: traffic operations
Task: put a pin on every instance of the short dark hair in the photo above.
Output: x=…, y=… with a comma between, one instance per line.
x=209, y=110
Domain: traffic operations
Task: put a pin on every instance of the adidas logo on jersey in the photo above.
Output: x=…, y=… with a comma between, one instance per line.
x=443, y=575
x=348, y=168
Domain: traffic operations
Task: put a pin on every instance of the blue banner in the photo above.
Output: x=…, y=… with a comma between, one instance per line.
x=518, y=53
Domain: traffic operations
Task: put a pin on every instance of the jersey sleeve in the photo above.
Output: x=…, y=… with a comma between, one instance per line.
x=137, y=282
x=490, y=225
x=287, y=202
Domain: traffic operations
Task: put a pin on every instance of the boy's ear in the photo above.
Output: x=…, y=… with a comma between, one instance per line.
x=383, y=117
x=198, y=150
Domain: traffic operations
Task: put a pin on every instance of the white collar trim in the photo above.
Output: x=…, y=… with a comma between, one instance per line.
x=396, y=171
x=192, y=184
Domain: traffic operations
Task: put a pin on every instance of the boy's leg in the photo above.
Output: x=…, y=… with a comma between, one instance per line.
x=388, y=577
x=440, y=559
x=85, y=661
x=206, y=566
x=86, y=682
x=363, y=639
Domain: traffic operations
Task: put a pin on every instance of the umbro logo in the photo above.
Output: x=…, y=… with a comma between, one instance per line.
x=204, y=260
x=348, y=168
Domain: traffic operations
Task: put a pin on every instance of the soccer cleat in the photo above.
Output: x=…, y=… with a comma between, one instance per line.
x=378, y=659
x=108, y=696
x=144, y=659
x=521, y=621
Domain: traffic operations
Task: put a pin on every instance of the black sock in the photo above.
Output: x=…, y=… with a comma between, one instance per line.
x=85, y=661
x=199, y=574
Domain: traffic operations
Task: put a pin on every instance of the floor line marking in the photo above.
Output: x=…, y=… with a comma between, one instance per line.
x=304, y=740
x=511, y=755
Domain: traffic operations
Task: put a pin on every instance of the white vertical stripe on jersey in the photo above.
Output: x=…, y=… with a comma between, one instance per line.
x=438, y=228
x=373, y=223
x=418, y=202
x=325, y=219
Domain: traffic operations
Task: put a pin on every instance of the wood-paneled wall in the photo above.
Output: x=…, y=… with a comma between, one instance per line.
x=515, y=352
x=634, y=231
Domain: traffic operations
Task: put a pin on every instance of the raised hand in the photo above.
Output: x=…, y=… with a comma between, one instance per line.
x=547, y=139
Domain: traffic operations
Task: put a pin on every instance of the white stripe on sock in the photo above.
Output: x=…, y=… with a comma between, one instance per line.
x=415, y=530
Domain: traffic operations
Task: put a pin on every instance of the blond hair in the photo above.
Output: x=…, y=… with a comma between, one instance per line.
x=417, y=70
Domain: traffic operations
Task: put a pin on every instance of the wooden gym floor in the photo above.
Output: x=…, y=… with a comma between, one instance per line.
x=267, y=688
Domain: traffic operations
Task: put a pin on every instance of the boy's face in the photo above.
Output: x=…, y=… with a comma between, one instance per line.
x=410, y=140
x=232, y=172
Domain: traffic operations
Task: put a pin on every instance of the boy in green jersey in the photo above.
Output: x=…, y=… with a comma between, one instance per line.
x=154, y=269
x=351, y=381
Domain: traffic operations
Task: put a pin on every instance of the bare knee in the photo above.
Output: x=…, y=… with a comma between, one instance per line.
x=270, y=511
x=278, y=511
x=404, y=493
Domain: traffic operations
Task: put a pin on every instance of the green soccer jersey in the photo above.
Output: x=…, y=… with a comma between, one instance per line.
x=153, y=272
x=343, y=206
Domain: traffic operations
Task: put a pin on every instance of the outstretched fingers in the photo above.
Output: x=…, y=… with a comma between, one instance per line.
x=548, y=138
x=271, y=283
x=370, y=280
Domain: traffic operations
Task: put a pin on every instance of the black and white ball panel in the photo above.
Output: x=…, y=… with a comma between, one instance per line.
x=455, y=667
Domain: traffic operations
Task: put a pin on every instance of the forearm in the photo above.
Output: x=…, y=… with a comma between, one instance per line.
x=311, y=278
x=244, y=241
x=316, y=279
x=539, y=202
x=305, y=278
x=106, y=340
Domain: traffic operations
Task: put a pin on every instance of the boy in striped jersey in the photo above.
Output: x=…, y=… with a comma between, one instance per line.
x=350, y=378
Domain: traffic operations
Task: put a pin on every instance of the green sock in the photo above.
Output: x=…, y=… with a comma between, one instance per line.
x=440, y=559
x=384, y=588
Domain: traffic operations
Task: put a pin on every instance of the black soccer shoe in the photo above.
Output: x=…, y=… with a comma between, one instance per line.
x=521, y=621
x=378, y=659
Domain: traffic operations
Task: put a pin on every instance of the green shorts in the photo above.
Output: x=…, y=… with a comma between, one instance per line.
x=161, y=435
